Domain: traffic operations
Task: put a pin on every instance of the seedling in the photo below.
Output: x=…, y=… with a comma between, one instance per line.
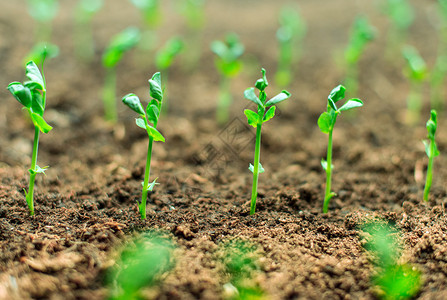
x=393, y=280
x=84, y=44
x=289, y=35
x=151, y=14
x=120, y=44
x=266, y=111
x=362, y=33
x=416, y=72
x=148, y=122
x=401, y=16
x=141, y=264
x=431, y=150
x=40, y=52
x=43, y=11
x=326, y=122
x=32, y=95
x=228, y=64
x=165, y=57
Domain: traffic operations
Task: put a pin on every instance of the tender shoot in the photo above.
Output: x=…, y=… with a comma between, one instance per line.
x=326, y=122
x=229, y=65
x=265, y=111
x=431, y=150
x=40, y=52
x=148, y=121
x=32, y=95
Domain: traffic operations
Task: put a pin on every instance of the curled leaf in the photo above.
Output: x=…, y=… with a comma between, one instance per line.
x=133, y=102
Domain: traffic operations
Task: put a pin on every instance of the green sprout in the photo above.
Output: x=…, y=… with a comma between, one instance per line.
x=151, y=14
x=289, y=35
x=165, y=57
x=401, y=15
x=416, y=72
x=431, y=150
x=265, y=111
x=40, y=52
x=148, y=122
x=362, y=33
x=228, y=64
x=326, y=122
x=84, y=13
x=32, y=95
x=393, y=280
x=43, y=11
x=141, y=264
x=120, y=44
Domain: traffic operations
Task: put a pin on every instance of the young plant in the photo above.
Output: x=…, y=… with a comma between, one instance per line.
x=120, y=44
x=416, y=72
x=266, y=111
x=148, y=122
x=84, y=13
x=326, y=122
x=362, y=33
x=40, y=52
x=165, y=57
x=43, y=11
x=289, y=35
x=228, y=64
x=395, y=281
x=151, y=14
x=32, y=95
x=431, y=150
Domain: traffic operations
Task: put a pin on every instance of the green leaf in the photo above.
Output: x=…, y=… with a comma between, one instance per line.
x=21, y=93
x=38, y=170
x=153, y=113
x=284, y=95
x=140, y=123
x=133, y=102
x=38, y=104
x=34, y=75
x=427, y=148
x=270, y=114
x=432, y=124
x=337, y=93
x=260, y=168
x=350, y=104
x=157, y=78
x=40, y=123
x=252, y=117
x=151, y=185
x=41, y=51
x=121, y=43
x=331, y=104
x=325, y=122
x=165, y=56
x=155, y=88
x=155, y=134
x=262, y=83
x=249, y=94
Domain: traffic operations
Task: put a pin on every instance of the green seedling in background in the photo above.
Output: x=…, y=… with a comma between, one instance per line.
x=326, y=122
x=32, y=95
x=394, y=281
x=148, y=122
x=40, y=52
x=151, y=14
x=439, y=71
x=431, y=150
x=265, y=111
x=43, y=11
x=84, y=13
x=401, y=16
x=416, y=72
x=229, y=65
x=362, y=33
x=289, y=35
x=164, y=59
x=120, y=44
x=141, y=265
x=241, y=264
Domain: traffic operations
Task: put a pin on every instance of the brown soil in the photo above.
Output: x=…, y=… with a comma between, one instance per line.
x=86, y=204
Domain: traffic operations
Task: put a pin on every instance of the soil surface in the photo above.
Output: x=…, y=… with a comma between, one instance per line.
x=86, y=204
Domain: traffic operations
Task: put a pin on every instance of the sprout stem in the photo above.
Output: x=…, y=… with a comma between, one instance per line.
x=30, y=194
x=109, y=95
x=328, y=195
x=429, y=170
x=224, y=103
x=254, y=191
x=142, y=205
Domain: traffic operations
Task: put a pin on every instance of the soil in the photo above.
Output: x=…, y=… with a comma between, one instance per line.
x=86, y=204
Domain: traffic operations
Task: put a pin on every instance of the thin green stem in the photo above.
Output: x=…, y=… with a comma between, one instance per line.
x=429, y=170
x=254, y=191
x=30, y=194
x=224, y=103
x=142, y=205
x=328, y=195
x=109, y=95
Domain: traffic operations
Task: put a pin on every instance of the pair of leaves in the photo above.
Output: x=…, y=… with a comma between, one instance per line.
x=260, y=168
x=253, y=118
x=151, y=185
x=151, y=130
x=250, y=94
x=228, y=53
x=121, y=43
x=168, y=53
